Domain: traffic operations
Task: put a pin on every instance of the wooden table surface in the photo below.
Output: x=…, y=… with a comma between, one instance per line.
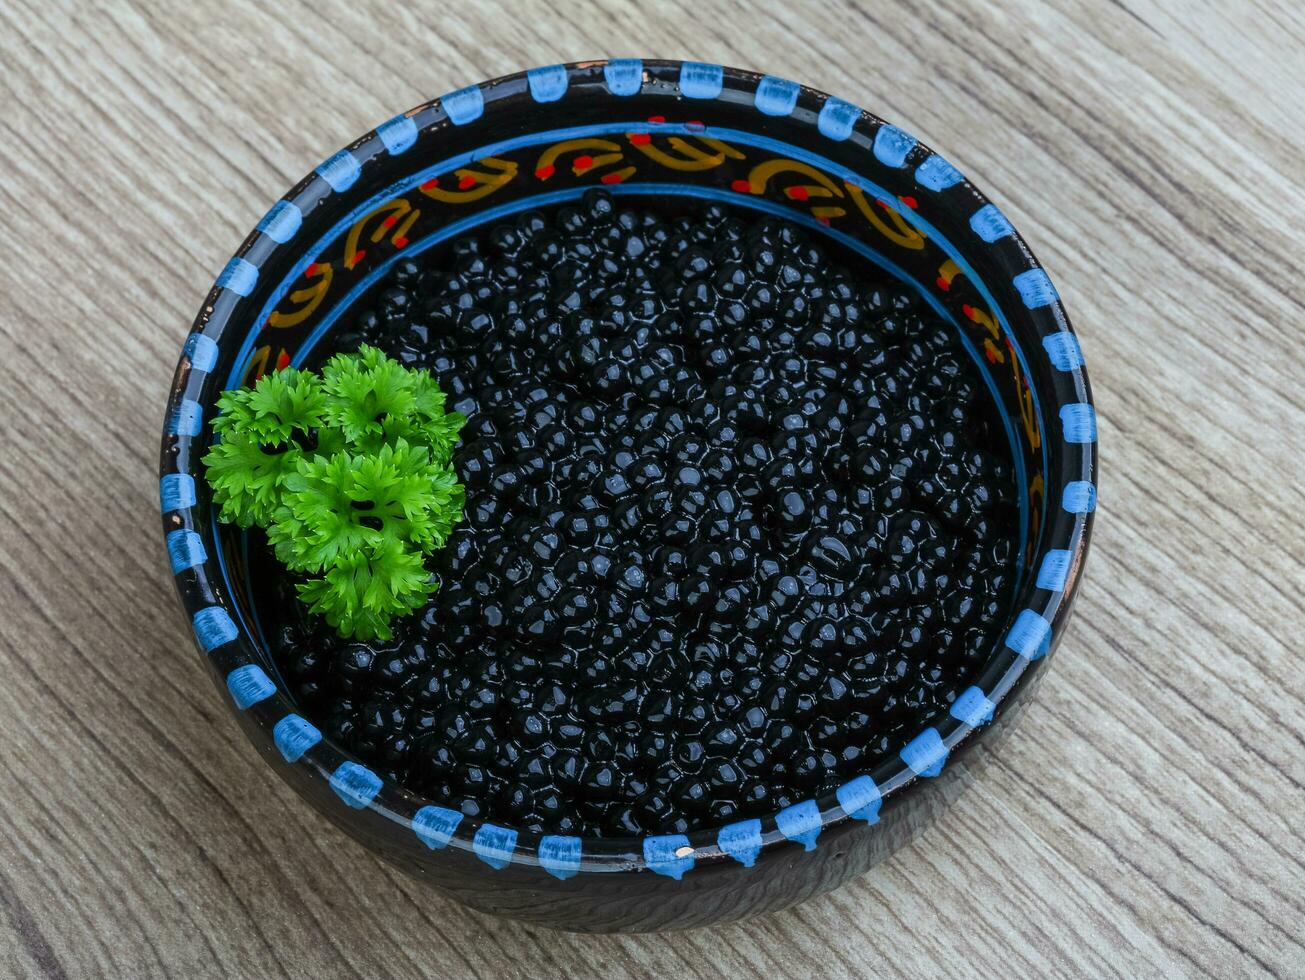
x=1148, y=818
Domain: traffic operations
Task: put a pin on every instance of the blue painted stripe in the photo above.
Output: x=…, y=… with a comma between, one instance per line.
x=249, y=685
x=741, y=841
x=450, y=164
x=241, y=363
x=624, y=76
x=238, y=276
x=340, y=170
x=669, y=855
x=1079, y=497
x=294, y=736
x=972, y=708
x=547, y=84
x=455, y=228
x=892, y=146
x=398, y=134
x=435, y=825
x=925, y=754
x=937, y=174
x=1055, y=570
x=990, y=224
x=202, y=352
x=837, y=119
x=187, y=418
x=213, y=628
x=1030, y=636
x=1063, y=350
x=1036, y=289
x=801, y=823
x=465, y=105
x=356, y=785
x=700, y=81
x=186, y=549
x=494, y=845
x=776, y=96
x=1079, y=422
x=176, y=492
x=282, y=222
x=560, y=856
x=860, y=799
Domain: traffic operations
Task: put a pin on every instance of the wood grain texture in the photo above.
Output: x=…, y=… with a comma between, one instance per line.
x=1147, y=818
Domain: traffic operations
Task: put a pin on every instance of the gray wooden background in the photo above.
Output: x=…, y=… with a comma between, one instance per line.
x=1147, y=819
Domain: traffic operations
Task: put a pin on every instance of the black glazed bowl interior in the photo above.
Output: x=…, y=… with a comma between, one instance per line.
x=649, y=129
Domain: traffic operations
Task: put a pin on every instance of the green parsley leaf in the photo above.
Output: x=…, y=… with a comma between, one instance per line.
x=350, y=474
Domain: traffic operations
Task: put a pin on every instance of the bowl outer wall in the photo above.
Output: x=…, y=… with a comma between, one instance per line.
x=784, y=870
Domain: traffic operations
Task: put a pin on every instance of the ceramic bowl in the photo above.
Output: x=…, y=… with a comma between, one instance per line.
x=640, y=129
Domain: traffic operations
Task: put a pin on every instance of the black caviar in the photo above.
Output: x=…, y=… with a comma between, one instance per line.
x=738, y=523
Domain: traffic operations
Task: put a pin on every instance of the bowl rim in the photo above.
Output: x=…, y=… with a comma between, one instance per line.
x=1034, y=629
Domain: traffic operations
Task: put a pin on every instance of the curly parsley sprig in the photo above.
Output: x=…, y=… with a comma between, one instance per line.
x=350, y=474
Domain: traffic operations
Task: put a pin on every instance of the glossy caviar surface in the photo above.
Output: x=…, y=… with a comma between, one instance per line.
x=739, y=522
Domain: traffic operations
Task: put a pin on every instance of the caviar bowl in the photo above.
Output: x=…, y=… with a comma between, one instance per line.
x=647, y=131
